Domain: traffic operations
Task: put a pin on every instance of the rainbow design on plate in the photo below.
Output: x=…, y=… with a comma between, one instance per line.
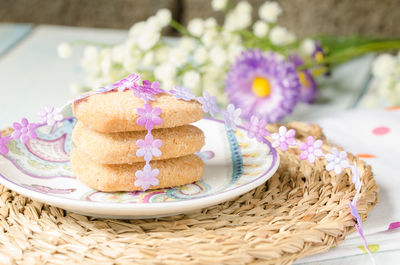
x=41, y=170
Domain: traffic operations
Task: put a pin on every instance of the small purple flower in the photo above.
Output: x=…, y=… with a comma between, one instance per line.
x=148, y=147
x=3, y=144
x=50, y=115
x=284, y=138
x=104, y=89
x=231, y=116
x=256, y=128
x=337, y=161
x=147, y=90
x=24, y=130
x=182, y=93
x=209, y=104
x=311, y=149
x=146, y=177
x=129, y=82
x=149, y=117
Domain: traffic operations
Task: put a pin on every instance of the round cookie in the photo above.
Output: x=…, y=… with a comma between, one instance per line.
x=116, y=111
x=173, y=172
x=120, y=148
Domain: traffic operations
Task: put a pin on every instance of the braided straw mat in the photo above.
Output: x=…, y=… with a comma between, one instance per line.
x=302, y=210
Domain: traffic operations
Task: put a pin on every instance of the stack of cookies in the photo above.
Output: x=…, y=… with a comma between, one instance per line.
x=105, y=138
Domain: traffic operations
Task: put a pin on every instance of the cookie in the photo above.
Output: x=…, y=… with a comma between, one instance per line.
x=173, y=172
x=116, y=111
x=120, y=148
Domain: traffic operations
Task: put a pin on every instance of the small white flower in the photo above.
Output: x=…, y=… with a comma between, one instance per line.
x=200, y=55
x=239, y=18
x=148, y=38
x=187, y=44
x=64, y=50
x=196, y=27
x=260, y=29
x=165, y=72
x=130, y=64
x=191, y=79
x=307, y=47
x=383, y=65
x=118, y=53
x=233, y=51
x=281, y=36
x=337, y=161
x=210, y=23
x=164, y=17
x=148, y=59
x=137, y=29
x=270, y=11
x=177, y=57
x=219, y=5
x=218, y=56
x=243, y=7
x=209, y=37
x=161, y=54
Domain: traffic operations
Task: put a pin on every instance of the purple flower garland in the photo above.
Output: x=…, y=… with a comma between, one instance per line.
x=150, y=147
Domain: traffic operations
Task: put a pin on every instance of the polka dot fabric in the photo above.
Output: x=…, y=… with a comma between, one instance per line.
x=374, y=135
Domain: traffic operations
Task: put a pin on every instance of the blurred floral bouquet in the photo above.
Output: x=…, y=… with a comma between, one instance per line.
x=258, y=66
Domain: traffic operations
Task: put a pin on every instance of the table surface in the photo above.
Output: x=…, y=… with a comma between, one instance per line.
x=32, y=76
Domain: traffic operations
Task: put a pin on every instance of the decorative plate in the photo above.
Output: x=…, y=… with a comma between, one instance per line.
x=234, y=164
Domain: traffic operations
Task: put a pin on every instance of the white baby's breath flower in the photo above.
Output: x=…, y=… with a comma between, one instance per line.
x=260, y=29
x=210, y=23
x=165, y=71
x=137, y=29
x=161, y=54
x=200, y=55
x=148, y=59
x=270, y=11
x=187, y=44
x=239, y=18
x=383, y=65
x=177, y=57
x=130, y=64
x=148, y=38
x=218, y=56
x=118, y=53
x=196, y=27
x=307, y=47
x=209, y=37
x=243, y=7
x=233, y=51
x=219, y=5
x=281, y=36
x=64, y=50
x=191, y=79
x=164, y=17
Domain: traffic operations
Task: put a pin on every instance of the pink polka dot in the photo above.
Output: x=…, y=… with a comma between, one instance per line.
x=382, y=130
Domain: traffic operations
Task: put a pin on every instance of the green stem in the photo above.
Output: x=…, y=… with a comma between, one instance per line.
x=181, y=29
x=352, y=52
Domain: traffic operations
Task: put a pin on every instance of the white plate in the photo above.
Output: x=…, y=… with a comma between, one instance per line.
x=234, y=164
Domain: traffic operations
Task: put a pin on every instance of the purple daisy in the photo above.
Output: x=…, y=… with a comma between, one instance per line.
x=308, y=86
x=263, y=85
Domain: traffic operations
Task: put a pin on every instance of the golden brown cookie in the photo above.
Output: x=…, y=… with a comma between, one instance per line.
x=116, y=111
x=120, y=148
x=173, y=172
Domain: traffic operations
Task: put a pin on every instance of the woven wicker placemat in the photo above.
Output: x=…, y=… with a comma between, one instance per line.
x=302, y=210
